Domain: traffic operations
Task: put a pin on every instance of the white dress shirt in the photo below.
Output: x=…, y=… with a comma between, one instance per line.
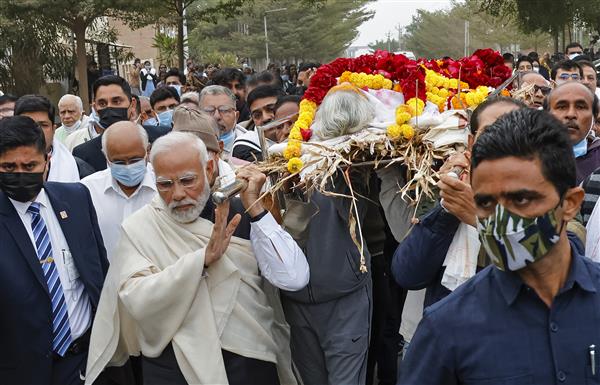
x=78, y=303
x=113, y=205
x=63, y=167
x=279, y=257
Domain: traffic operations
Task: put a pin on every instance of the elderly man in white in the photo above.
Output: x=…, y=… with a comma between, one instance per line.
x=126, y=185
x=70, y=111
x=190, y=291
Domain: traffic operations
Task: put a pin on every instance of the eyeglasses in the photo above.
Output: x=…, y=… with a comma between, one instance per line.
x=223, y=110
x=545, y=90
x=569, y=76
x=186, y=181
x=127, y=162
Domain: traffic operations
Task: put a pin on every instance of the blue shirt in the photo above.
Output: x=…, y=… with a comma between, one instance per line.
x=496, y=330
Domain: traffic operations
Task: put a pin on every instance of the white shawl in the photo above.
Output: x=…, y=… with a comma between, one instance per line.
x=63, y=167
x=155, y=294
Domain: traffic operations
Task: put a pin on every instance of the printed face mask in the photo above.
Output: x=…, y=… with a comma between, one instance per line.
x=512, y=241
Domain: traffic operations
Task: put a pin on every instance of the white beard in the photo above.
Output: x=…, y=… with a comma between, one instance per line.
x=191, y=214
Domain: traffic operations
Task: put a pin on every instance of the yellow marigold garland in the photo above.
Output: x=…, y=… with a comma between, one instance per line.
x=362, y=80
x=294, y=165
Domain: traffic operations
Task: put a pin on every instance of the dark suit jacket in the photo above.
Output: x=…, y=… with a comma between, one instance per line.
x=25, y=318
x=91, y=151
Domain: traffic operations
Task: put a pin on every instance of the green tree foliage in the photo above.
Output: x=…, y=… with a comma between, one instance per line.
x=27, y=39
x=306, y=30
x=441, y=33
x=550, y=17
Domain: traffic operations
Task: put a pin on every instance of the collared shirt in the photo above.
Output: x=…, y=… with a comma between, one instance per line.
x=113, y=205
x=77, y=299
x=496, y=330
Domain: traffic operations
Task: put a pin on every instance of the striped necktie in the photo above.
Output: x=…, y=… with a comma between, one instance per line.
x=61, y=330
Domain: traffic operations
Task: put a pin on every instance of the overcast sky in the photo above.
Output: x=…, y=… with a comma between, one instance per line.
x=390, y=13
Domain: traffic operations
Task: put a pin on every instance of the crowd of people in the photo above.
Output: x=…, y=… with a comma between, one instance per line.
x=120, y=269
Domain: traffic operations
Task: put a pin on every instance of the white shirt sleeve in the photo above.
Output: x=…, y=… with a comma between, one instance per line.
x=279, y=257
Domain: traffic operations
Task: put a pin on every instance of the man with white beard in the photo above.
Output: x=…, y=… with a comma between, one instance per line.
x=190, y=287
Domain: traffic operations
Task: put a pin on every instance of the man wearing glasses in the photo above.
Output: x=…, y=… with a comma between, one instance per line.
x=126, y=185
x=219, y=102
x=566, y=71
x=534, y=97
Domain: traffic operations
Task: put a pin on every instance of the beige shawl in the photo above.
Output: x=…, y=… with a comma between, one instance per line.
x=154, y=294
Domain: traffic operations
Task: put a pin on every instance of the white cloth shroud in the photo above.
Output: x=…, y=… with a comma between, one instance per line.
x=461, y=258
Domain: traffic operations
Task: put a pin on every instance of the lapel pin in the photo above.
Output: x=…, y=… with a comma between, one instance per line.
x=63, y=215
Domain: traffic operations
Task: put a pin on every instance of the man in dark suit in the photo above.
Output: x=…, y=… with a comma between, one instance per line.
x=53, y=264
x=113, y=103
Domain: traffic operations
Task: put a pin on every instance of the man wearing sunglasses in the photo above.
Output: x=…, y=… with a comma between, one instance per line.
x=126, y=185
x=534, y=98
x=566, y=71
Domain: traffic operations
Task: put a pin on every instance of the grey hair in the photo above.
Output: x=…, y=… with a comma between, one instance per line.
x=190, y=97
x=141, y=132
x=69, y=98
x=175, y=139
x=217, y=90
x=341, y=113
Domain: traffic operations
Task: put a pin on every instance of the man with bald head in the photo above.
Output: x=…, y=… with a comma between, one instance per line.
x=70, y=111
x=576, y=107
x=535, y=89
x=126, y=185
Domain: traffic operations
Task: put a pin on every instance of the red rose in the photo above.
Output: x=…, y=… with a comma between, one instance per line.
x=306, y=134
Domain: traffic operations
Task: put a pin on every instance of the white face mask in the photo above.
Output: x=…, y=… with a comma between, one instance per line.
x=73, y=127
x=536, y=69
x=573, y=55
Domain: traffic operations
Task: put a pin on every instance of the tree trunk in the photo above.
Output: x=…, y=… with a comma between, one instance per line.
x=79, y=31
x=27, y=78
x=555, y=39
x=180, y=37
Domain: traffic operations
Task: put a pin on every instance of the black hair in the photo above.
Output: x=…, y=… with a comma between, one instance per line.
x=287, y=99
x=137, y=60
x=19, y=131
x=138, y=105
x=534, y=56
x=528, y=133
x=565, y=65
x=147, y=62
x=264, y=77
x=35, y=103
x=163, y=93
x=474, y=122
x=584, y=63
x=226, y=75
x=110, y=80
x=175, y=72
x=507, y=56
x=522, y=59
x=264, y=91
x=307, y=66
x=595, y=106
x=8, y=98
x=573, y=45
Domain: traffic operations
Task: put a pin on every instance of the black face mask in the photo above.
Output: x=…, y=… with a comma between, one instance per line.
x=21, y=186
x=111, y=115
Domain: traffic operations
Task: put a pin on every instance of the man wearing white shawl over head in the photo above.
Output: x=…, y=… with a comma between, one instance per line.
x=186, y=289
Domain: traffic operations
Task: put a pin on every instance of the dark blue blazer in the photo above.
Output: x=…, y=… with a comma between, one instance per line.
x=25, y=307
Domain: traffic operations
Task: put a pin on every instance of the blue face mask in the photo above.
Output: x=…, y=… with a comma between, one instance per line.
x=177, y=88
x=165, y=118
x=580, y=149
x=228, y=139
x=129, y=175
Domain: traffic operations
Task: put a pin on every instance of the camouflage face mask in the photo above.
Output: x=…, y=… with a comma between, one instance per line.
x=512, y=241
